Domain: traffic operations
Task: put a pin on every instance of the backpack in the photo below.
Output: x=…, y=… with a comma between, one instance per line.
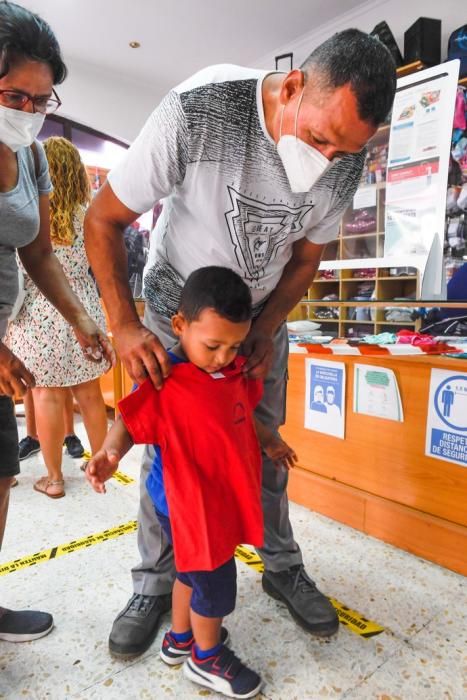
x=457, y=48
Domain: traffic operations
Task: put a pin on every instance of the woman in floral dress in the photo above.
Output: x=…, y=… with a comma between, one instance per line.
x=42, y=338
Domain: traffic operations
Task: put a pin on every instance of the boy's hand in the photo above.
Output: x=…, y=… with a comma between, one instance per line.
x=281, y=454
x=101, y=467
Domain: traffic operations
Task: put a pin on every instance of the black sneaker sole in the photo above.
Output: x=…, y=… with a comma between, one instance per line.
x=320, y=629
x=29, y=454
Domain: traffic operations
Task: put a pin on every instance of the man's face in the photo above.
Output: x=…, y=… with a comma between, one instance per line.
x=318, y=395
x=330, y=395
x=328, y=120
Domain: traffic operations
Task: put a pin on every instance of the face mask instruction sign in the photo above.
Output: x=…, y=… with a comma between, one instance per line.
x=446, y=429
x=325, y=397
x=376, y=393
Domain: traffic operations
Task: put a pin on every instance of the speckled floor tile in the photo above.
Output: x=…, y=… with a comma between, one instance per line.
x=432, y=666
x=419, y=656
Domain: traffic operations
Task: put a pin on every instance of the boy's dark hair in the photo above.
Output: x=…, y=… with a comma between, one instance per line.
x=217, y=288
x=355, y=58
x=24, y=35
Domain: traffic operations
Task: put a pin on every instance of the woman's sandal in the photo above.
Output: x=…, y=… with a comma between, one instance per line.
x=44, y=485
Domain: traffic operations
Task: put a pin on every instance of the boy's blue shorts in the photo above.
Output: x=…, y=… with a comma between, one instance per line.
x=214, y=592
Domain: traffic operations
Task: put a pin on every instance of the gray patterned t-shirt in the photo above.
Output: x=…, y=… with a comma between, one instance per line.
x=207, y=151
x=19, y=222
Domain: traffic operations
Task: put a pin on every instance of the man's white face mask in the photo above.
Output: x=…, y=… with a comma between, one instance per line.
x=303, y=164
x=19, y=129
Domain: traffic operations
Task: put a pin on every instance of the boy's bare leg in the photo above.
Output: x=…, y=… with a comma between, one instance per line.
x=181, y=598
x=206, y=630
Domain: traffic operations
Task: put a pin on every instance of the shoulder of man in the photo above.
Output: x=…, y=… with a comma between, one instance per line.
x=219, y=73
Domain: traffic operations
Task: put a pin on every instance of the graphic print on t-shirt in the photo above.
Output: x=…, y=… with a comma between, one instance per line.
x=258, y=230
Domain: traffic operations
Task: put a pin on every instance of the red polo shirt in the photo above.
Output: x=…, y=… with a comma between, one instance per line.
x=211, y=458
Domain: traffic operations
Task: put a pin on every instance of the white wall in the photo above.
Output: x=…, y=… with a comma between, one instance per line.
x=104, y=101
x=119, y=108
x=399, y=14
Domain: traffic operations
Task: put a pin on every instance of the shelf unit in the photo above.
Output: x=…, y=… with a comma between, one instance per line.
x=346, y=318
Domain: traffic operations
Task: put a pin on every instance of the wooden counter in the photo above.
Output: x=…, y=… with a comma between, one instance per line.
x=378, y=479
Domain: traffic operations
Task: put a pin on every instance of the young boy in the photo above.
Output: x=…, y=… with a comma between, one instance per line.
x=205, y=481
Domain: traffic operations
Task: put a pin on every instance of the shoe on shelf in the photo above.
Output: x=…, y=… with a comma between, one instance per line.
x=136, y=626
x=223, y=673
x=28, y=446
x=174, y=653
x=307, y=605
x=363, y=222
x=73, y=446
x=24, y=625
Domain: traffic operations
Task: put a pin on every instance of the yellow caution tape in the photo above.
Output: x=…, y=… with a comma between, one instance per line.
x=118, y=476
x=350, y=618
x=123, y=478
x=73, y=546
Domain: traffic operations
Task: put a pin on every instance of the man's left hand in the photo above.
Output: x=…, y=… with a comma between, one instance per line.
x=259, y=349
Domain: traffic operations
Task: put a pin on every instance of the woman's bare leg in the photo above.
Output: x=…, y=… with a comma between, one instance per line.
x=68, y=414
x=50, y=405
x=92, y=407
x=30, y=415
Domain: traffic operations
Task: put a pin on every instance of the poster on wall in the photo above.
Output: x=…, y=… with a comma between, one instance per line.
x=446, y=429
x=417, y=169
x=376, y=393
x=325, y=397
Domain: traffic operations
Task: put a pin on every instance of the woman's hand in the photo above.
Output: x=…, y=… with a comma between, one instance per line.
x=93, y=341
x=15, y=379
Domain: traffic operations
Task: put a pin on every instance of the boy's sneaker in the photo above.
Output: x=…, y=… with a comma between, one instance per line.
x=24, y=625
x=174, y=653
x=224, y=673
x=73, y=446
x=28, y=446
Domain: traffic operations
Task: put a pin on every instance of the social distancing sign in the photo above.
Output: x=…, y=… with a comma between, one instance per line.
x=446, y=429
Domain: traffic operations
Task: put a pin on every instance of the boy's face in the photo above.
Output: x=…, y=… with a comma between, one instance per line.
x=211, y=342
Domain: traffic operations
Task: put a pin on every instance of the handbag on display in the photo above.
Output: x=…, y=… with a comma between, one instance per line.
x=457, y=48
x=386, y=37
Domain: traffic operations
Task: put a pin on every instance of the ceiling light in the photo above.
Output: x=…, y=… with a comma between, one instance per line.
x=134, y=44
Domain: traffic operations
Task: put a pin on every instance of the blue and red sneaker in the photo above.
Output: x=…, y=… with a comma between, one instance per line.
x=174, y=653
x=223, y=673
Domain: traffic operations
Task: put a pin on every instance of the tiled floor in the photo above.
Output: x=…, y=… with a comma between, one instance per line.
x=421, y=655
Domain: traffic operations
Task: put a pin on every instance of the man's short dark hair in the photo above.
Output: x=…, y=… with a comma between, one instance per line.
x=217, y=288
x=362, y=61
x=24, y=35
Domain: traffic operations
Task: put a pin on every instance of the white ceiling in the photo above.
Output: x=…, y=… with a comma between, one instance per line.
x=178, y=36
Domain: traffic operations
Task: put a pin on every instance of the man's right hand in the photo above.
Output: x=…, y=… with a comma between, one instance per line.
x=142, y=353
x=15, y=379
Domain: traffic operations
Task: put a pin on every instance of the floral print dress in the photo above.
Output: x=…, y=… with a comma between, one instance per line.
x=41, y=337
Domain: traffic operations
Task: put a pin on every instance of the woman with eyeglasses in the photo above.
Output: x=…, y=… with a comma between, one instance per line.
x=30, y=65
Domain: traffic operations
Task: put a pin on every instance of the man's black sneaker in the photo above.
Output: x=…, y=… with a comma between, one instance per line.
x=307, y=605
x=174, y=653
x=223, y=673
x=28, y=446
x=73, y=446
x=24, y=625
x=136, y=626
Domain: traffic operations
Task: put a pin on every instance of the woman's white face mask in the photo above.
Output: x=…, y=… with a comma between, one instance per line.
x=303, y=164
x=19, y=129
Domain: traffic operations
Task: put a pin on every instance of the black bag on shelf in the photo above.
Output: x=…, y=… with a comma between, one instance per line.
x=384, y=34
x=457, y=48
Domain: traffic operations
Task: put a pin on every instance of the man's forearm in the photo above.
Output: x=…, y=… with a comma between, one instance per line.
x=106, y=252
x=293, y=284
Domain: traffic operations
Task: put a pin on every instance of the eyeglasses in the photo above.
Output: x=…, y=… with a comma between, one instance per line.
x=18, y=100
